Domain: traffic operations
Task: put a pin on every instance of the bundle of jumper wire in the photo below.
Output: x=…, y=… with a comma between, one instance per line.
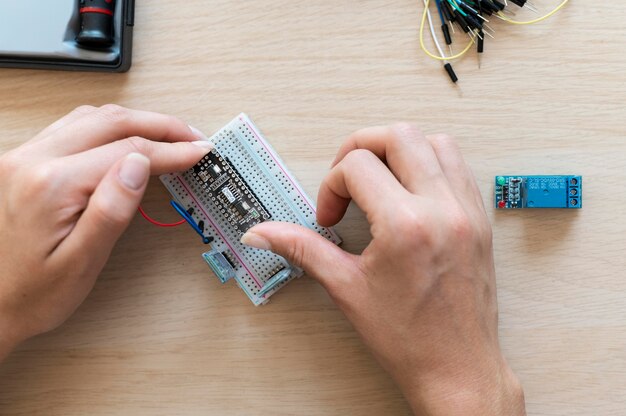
x=471, y=17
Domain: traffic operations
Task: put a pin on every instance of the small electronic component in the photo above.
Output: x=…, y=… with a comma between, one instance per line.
x=241, y=183
x=538, y=191
x=220, y=265
x=279, y=277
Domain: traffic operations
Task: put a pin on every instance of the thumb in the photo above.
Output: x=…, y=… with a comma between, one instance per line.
x=110, y=209
x=331, y=266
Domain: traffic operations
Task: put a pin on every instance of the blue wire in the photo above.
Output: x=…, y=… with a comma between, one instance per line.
x=438, y=3
x=179, y=208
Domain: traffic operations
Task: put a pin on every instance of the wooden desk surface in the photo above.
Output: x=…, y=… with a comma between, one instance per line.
x=160, y=336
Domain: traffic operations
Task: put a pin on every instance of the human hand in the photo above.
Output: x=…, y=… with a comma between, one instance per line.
x=422, y=295
x=66, y=196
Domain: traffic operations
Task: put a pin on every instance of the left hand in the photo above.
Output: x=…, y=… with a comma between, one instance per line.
x=66, y=196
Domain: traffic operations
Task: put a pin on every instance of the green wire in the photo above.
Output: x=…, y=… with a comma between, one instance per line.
x=457, y=8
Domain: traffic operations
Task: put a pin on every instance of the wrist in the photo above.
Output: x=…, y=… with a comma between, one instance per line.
x=9, y=338
x=492, y=393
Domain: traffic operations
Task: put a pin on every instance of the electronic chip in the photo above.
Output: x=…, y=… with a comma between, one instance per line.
x=216, y=170
x=203, y=175
x=242, y=208
x=229, y=195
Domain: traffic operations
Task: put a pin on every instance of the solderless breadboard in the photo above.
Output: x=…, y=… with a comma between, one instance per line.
x=264, y=179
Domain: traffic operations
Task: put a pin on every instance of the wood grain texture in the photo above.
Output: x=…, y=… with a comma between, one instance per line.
x=160, y=336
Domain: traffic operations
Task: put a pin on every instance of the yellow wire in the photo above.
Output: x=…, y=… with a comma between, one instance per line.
x=427, y=52
x=469, y=45
x=530, y=22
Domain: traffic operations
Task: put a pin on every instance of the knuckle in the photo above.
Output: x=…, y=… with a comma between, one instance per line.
x=104, y=212
x=357, y=134
x=9, y=162
x=460, y=225
x=137, y=144
x=173, y=126
x=84, y=109
x=114, y=113
x=358, y=156
x=443, y=140
x=408, y=216
x=409, y=219
x=408, y=225
x=407, y=132
x=174, y=122
x=41, y=178
x=296, y=253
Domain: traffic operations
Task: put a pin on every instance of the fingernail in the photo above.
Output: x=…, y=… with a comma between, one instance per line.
x=204, y=144
x=135, y=171
x=198, y=133
x=254, y=240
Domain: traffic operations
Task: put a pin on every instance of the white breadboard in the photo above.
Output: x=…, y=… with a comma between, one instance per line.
x=258, y=177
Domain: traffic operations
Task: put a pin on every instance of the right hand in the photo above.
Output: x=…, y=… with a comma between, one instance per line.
x=422, y=295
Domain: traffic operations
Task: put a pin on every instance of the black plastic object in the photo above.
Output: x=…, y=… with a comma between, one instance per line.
x=474, y=22
x=446, y=34
x=446, y=13
x=499, y=5
x=44, y=37
x=96, y=23
x=451, y=73
x=462, y=22
x=452, y=17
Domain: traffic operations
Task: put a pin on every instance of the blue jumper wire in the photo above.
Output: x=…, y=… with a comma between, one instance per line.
x=187, y=217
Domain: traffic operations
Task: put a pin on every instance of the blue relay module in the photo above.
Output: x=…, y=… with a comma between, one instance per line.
x=539, y=191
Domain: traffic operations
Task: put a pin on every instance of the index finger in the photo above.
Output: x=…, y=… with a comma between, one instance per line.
x=364, y=178
x=92, y=165
x=407, y=152
x=110, y=123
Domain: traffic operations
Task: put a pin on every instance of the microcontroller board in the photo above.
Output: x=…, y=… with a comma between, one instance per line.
x=538, y=191
x=229, y=192
x=240, y=183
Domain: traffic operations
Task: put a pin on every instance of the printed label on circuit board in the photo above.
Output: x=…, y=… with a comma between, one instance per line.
x=229, y=192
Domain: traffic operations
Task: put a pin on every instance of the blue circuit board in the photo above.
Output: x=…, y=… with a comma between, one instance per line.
x=538, y=191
